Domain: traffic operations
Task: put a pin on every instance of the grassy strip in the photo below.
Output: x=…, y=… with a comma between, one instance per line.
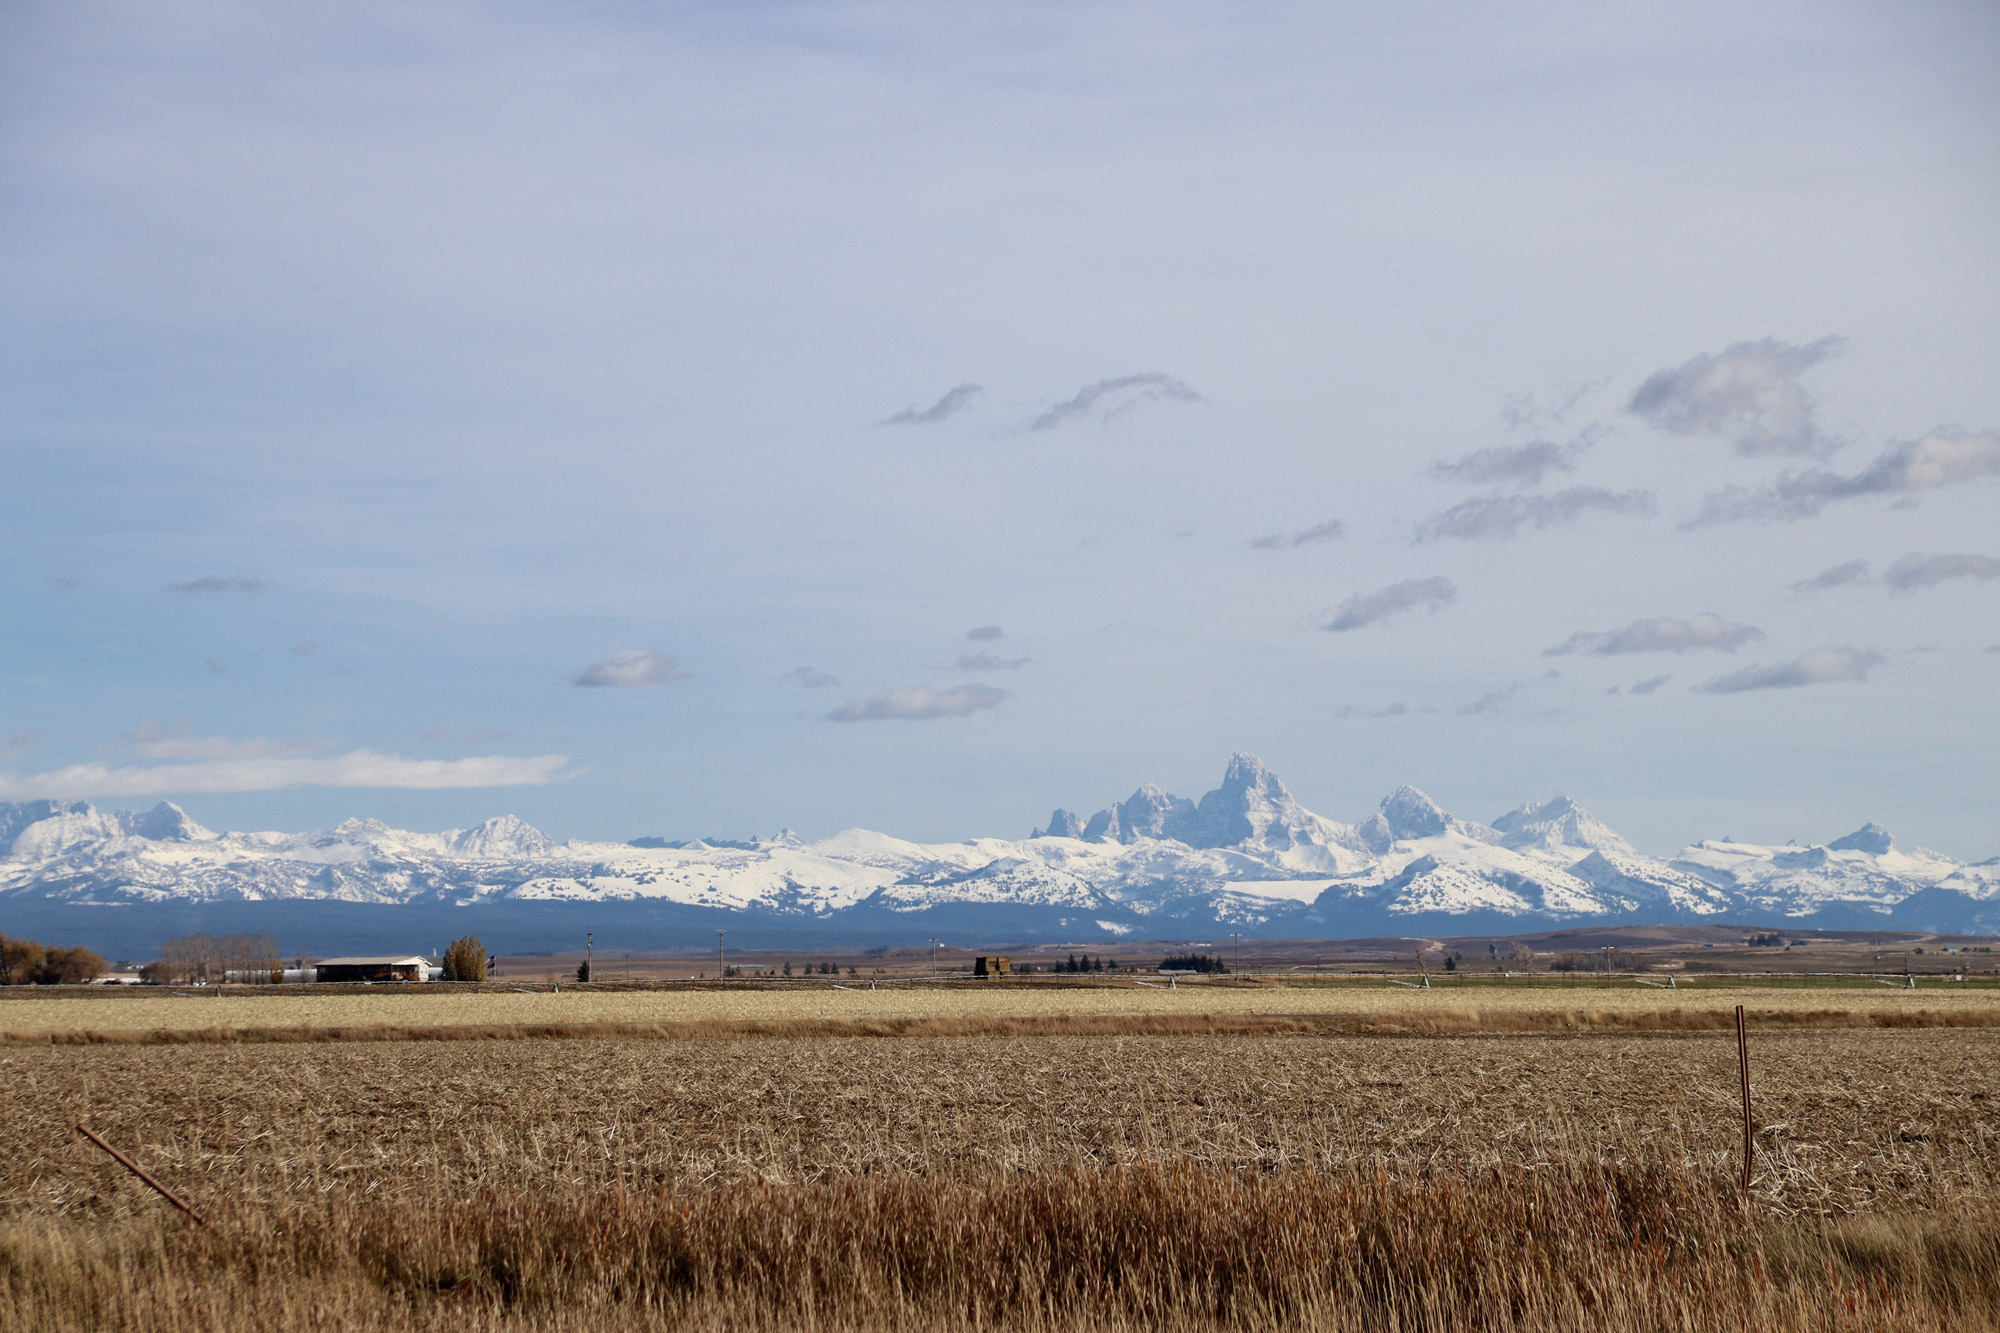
x=1443, y=1023
x=1633, y=1247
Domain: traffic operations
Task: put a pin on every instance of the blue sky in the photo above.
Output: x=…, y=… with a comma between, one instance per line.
x=428, y=410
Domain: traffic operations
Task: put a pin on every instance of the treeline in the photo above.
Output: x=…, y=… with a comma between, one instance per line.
x=1193, y=962
x=26, y=963
x=1085, y=963
x=203, y=958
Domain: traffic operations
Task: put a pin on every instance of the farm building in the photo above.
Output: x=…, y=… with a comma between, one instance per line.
x=385, y=968
x=993, y=965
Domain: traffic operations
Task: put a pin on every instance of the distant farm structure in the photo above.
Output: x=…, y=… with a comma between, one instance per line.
x=993, y=965
x=385, y=968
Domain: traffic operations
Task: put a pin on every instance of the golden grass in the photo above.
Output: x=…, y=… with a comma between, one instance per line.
x=902, y=1008
x=1182, y=1182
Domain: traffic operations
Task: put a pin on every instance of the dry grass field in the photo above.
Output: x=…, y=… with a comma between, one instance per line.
x=904, y=1008
x=1033, y=1182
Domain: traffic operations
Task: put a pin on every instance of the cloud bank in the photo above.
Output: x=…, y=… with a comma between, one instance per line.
x=1112, y=398
x=1372, y=608
x=1502, y=517
x=1947, y=456
x=920, y=703
x=360, y=768
x=1926, y=571
x=237, y=583
x=1821, y=666
x=955, y=401
x=1705, y=632
x=1331, y=530
x=1749, y=394
x=635, y=668
x=175, y=740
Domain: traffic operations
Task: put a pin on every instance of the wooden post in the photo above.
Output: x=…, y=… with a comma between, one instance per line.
x=138, y=1171
x=1743, y=1064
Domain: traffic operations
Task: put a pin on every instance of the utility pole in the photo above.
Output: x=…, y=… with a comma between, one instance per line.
x=934, y=970
x=1237, y=935
x=589, y=956
x=721, y=959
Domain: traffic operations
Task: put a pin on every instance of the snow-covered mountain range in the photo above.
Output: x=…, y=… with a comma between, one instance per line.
x=1245, y=857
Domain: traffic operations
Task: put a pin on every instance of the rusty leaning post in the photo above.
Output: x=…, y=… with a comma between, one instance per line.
x=1743, y=1064
x=140, y=1172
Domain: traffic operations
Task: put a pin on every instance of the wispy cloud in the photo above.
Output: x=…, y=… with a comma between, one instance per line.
x=1834, y=576
x=62, y=583
x=1748, y=394
x=1648, y=685
x=810, y=678
x=1112, y=398
x=955, y=401
x=1821, y=666
x=985, y=633
x=1947, y=456
x=988, y=662
x=1329, y=531
x=1705, y=632
x=19, y=743
x=920, y=703
x=1510, y=465
x=1925, y=571
x=1502, y=517
x=1372, y=608
x=176, y=740
x=360, y=768
x=236, y=583
x=632, y=669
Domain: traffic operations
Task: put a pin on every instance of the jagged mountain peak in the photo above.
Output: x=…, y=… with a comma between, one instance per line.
x=502, y=836
x=1412, y=814
x=1558, y=822
x=167, y=822
x=1871, y=838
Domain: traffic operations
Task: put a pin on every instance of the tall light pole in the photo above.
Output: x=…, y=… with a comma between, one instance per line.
x=589, y=956
x=934, y=973
x=1237, y=935
x=721, y=959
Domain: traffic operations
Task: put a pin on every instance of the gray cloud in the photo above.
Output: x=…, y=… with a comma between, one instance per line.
x=19, y=743
x=920, y=703
x=1947, y=456
x=1517, y=465
x=239, y=583
x=1369, y=608
x=985, y=633
x=1834, y=662
x=954, y=402
x=1490, y=703
x=1111, y=398
x=810, y=678
x=1749, y=394
x=1704, y=632
x=1834, y=576
x=1651, y=683
x=1329, y=531
x=1502, y=517
x=1925, y=571
x=988, y=662
x=63, y=583
x=632, y=669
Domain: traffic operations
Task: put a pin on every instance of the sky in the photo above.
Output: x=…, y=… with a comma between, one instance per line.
x=703, y=419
